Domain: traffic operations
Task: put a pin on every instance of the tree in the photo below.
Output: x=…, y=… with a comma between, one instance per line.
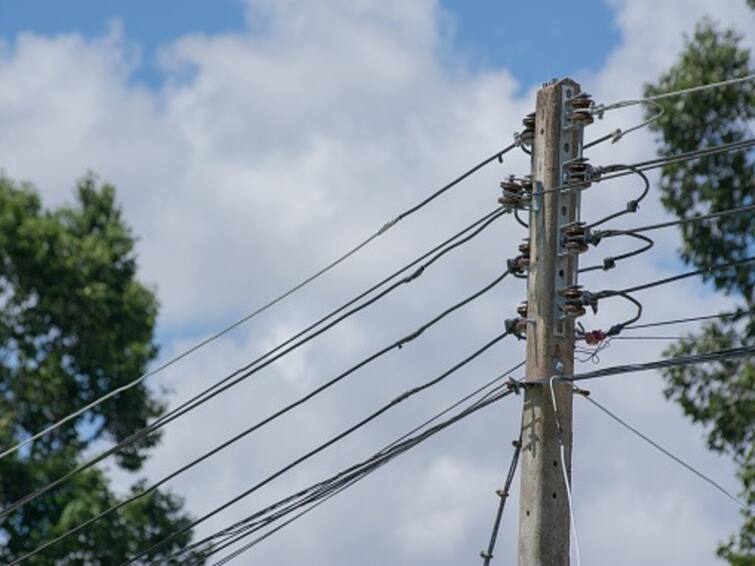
x=75, y=323
x=720, y=396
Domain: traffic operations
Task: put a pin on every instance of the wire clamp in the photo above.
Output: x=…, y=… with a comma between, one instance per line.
x=514, y=385
x=485, y=555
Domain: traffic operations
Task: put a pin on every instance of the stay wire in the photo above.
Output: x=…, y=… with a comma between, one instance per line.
x=237, y=498
x=503, y=496
x=212, y=338
x=666, y=452
x=217, y=388
x=397, y=344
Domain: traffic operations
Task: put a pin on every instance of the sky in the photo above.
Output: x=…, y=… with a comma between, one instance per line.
x=253, y=141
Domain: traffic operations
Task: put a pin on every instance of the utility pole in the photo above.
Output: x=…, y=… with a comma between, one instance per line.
x=544, y=522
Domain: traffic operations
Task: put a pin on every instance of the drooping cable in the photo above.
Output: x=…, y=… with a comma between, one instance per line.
x=137, y=381
x=277, y=414
x=666, y=452
x=631, y=206
x=609, y=262
x=447, y=246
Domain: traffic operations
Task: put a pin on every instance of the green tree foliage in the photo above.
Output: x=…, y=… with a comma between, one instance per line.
x=719, y=396
x=75, y=323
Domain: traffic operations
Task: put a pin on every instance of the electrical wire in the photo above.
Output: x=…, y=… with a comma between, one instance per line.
x=244, y=494
x=337, y=490
x=448, y=245
x=331, y=488
x=678, y=222
x=274, y=416
x=653, y=164
x=503, y=495
x=387, y=226
x=618, y=133
x=609, y=262
x=674, y=278
x=663, y=450
x=632, y=205
x=721, y=355
x=689, y=319
x=662, y=96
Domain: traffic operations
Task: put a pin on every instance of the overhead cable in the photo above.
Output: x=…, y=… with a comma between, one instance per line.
x=280, y=412
x=135, y=382
x=254, y=488
x=246, y=371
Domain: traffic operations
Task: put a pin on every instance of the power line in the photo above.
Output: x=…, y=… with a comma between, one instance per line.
x=260, y=484
x=387, y=226
x=688, y=319
x=329, y=488
x=678, y=222
x=477, y=227
x=680, y=92
x=667, y=453
x=674, y=278
x=722, y=355
x=397, y=344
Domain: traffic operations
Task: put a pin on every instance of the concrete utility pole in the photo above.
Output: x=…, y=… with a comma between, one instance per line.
x=544, y=509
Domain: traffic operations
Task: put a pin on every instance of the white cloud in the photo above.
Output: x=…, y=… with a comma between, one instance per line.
x=266, y=155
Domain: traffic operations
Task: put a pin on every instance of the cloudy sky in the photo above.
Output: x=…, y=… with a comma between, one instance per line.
x=253, y=141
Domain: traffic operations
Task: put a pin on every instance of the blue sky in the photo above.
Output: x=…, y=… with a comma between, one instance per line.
x=486, y=33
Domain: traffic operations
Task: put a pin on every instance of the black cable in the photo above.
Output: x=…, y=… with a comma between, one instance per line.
x=740, y=210
x=689, y=319
x=448, y=245
x=503, y=496
x=610, y=261
x=395, y=345
x=246, y=318
x=730, y=354
x=351, y=475
x=653, y=164
x=244, y=494
x=610, y=293
x=632, y=205
x=519, y=220
x=326, y=490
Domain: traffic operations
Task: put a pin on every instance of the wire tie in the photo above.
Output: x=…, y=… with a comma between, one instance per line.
x=514, y=385
x=616, y=135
